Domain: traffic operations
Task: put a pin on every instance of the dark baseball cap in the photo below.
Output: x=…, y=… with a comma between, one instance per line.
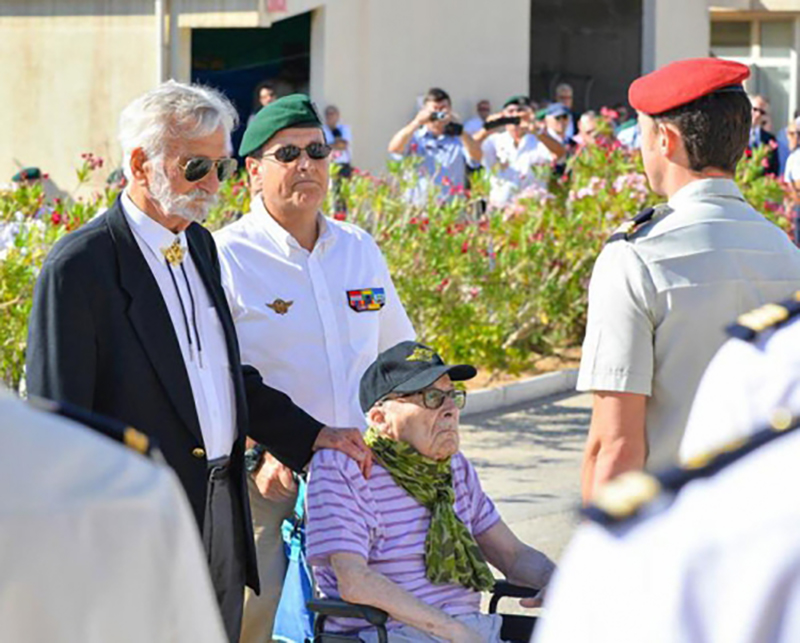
x=407, y=367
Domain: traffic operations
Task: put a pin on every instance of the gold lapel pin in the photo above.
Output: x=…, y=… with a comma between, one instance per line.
x=280, y=306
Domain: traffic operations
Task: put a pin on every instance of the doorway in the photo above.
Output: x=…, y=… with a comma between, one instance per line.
x=234, y=61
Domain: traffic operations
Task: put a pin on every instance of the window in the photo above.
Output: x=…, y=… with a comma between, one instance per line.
x=768, y=47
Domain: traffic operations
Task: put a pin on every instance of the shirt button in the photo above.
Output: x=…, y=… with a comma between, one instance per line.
x=197, y=452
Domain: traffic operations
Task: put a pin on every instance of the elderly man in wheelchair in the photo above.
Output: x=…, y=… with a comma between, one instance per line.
x=414, y=539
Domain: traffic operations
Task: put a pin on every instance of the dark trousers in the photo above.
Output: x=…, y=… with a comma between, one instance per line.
x=223, y=537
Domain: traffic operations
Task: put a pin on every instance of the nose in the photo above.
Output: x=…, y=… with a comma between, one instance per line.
x=304, y=162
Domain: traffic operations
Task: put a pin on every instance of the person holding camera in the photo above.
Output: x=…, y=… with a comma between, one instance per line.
x=444, y=149
x=514, y=143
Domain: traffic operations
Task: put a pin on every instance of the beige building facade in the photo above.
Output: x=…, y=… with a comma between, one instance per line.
x=70, y=67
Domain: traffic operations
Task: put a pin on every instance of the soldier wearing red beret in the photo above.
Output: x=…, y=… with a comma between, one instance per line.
x=668, y=282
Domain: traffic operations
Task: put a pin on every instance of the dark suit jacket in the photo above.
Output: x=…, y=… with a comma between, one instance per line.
x=100, y=337
x=773, y=166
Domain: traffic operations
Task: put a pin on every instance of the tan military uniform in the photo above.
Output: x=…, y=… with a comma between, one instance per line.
x=661, y=296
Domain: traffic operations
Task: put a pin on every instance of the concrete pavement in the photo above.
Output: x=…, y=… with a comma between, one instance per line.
x=528, y=460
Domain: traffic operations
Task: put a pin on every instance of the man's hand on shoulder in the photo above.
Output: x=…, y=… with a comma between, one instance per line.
x=349, y=442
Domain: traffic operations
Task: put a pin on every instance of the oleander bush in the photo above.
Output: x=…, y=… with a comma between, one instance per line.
x=497, y=287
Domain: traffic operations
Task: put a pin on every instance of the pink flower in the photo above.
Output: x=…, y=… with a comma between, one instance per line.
x=465, y=247
x=56, y=218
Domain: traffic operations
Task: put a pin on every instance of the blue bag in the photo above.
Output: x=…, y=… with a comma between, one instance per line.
x=293, y=622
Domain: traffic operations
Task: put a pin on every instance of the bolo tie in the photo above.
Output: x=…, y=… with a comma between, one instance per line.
x=174, y=255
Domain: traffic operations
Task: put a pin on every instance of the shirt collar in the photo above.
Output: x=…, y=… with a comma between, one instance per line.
x=155, y=236
x=701, y=188
x=280, y=236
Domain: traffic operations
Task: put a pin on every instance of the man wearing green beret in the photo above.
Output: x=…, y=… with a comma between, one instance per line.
x=27, y=176
x=313, y=304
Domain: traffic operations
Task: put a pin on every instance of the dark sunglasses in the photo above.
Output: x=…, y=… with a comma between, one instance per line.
x=433, y=398
x=758, y=110
x=198, y=167
x=562, y=117
x=316, y=151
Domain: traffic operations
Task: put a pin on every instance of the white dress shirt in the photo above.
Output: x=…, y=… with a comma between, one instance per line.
x=511, y=165
x=208, y=370
x=97, y=544
x=316, y=351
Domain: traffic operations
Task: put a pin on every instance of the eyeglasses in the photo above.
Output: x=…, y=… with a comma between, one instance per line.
x=562, y=117
x=758, y=110
x=198, y=167
x=316, y=151
x=790, y=132
x=433, y=398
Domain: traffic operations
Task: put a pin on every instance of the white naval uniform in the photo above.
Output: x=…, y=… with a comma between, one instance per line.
x=511, y=165
x=659, y=302
x=97, y=544
x=741, y=389
x=721, y=564
x=316, y=351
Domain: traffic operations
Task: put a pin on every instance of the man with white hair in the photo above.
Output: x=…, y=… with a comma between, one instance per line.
x=129, y=320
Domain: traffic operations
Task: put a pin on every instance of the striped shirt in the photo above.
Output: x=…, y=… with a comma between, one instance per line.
x=378, y=520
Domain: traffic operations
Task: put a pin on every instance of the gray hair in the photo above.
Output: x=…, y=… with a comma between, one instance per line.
x=586, y=116
x=170, y=112
x=561, y=87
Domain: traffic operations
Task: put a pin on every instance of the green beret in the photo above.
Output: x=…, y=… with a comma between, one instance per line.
x=27, y=174
x=295, y=110
x=519, y=99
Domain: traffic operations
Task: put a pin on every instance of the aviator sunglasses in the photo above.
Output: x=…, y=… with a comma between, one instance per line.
x=288, y=153
x=433, y=398
x=198, y=167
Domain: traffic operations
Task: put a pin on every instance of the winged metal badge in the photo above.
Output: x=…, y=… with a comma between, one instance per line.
x=280, y=306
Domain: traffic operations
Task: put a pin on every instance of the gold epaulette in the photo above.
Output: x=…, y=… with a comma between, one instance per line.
x=751, y=324
x=625, y=231
x=626, y=496
x=109, y=427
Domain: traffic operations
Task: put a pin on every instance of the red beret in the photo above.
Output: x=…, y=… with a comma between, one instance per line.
x=683, y=81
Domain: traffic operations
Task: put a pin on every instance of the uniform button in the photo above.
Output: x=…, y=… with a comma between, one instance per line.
x=198, y=452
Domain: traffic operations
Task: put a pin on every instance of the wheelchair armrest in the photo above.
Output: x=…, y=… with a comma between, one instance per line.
x=340, y=608
x=503, y=588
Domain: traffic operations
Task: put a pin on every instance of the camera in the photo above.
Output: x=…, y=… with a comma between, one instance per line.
x=438, y=116
x=453, y=129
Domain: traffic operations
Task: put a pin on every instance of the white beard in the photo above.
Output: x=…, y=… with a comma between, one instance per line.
x=192, y=206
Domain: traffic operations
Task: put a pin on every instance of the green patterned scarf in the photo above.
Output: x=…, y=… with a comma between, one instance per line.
x=451, y=553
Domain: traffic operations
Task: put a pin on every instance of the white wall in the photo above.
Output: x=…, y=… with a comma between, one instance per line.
x=65, y=79
x=372, y=58
x=673, y=30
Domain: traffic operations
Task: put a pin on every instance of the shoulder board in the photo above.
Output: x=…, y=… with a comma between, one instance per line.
x=627, y=495
x=750, y=325
x=629, y=227
x=109, y=427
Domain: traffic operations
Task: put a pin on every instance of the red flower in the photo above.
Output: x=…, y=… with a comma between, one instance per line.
x=340, y=216
x=56, y=218
x=446, y=182
x=465, y=247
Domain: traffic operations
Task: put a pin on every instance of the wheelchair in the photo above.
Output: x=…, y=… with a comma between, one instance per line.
x=515, y=628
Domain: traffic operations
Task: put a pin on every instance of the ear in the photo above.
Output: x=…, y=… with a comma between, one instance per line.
x=670, y=141
x=376, y=417
x=138, y=166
